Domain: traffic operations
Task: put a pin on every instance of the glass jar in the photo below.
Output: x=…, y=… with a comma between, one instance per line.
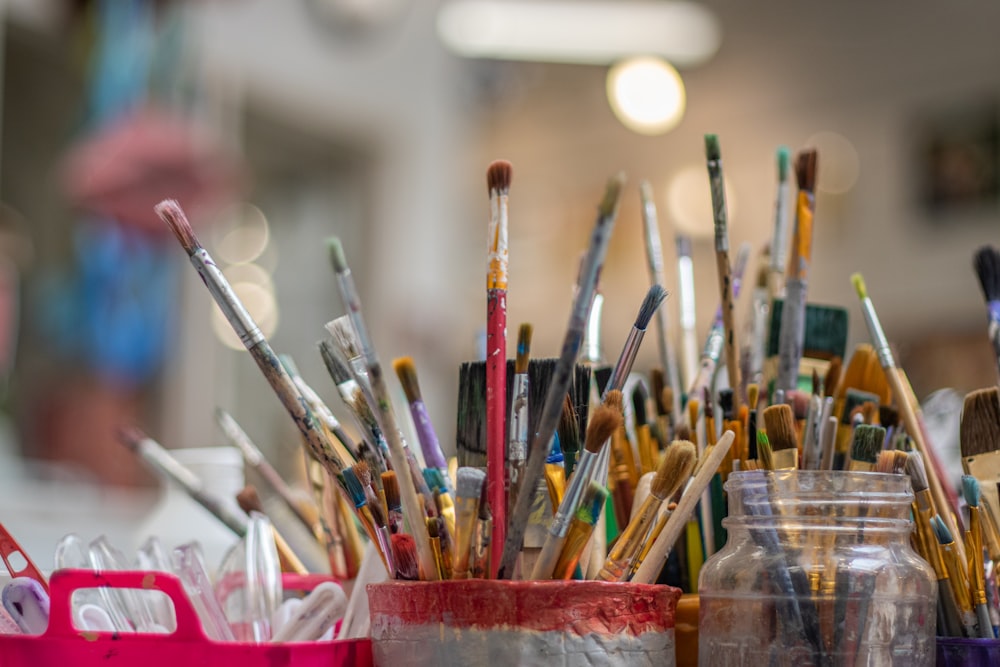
x=818, y=570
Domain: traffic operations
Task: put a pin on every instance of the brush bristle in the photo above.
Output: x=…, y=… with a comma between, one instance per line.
x=363, y=473
x=337, y=257
x=712, y=150
x=674, y=470
x=682, y=432
x=784, y=160
x=867, y=443
x=390, y=485
x=980, y=427
x=249, y=500
x=805, y=170
x=469, y=482
x=345, y=338
x=799, y=402
x=612, y=195
x=666, y=400
x=404, y=557
x=987, y=265
x=970, y=490
x=726, y=403
x=654, y=297
x=779, y=422
x=764, y=450
x=941, y=530
x=337, y=369
x=433, y=529
x=888, y=416
x=605, y=421
x=708, y=405
x=498, y=177
x=523, y=348
x=354, y=487
x=891, y=461
x=859, y=286
x=434, y=479
x=832, y=376
x=569, y=427
x=406, y=371
x=815, y=383
x=614, y=399
x=363, y=411
x=171, y=213
x=658, y=383
x=753, y=395
x=916, y=470
x=594, y=498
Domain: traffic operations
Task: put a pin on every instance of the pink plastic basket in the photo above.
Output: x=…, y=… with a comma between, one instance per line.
x=65, y=645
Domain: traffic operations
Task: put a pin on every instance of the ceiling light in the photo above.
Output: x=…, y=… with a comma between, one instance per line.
x=646, y=94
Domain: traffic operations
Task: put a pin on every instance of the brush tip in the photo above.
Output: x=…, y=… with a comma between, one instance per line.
x=606, y=420
x=498, y=176
x=390, y=484
x=354, y=487
x=469, y=482
x=654, y=297
x=859, y=286
x=779, y=421
x=784, y=160
x=867, y=443
x=676, y=467
x=170, y=212
x=970, y=490
x=712, y=150
x=805, y=170
x=986, y=262
x=406, y=371
x=337, y=256
x=612, y=195
x=249, y=500
x=404, y=557
x=979, y=427
x=916, y=470
x=592, y=504
x=941, y=530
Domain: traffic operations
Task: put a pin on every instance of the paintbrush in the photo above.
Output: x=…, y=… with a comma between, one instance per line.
x=713, y=156
x=368, y=513
x=828, y=436
x=673, y=472
x=580, y=530
x=346, y=342
x=663, y=406
x=779, y=240
x=249, y=501
x=779, y=422
x=556, y=470
x=605, y=422
x=435, y=538
x=957, y=573
x=891, y=461
x=498, y=177
x=406, y=371
x=910, y=411
x=979, y=434
x=793, y=331
x=811, y=445
x=656, y=557
x=974, y=544
x=158, y=458
x=404, y=556
x=255, y=459
x=654, y=260
x=563, y=374
x=765, y=460
x=854, y=400
x=832, y=376
x=481, y=543
x=412, y=505
x=654, y=297
x=469, y=486
x=987, y=265
x=517, y=440
x=685, y=286
x=393, y=504
x=342, y=442
x=865, y=447
x=252, y=338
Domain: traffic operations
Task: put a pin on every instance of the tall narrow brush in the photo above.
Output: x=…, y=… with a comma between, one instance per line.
x=413, y=508
x=793, y=319
x=650, y=303
x=563, y=375
x=910, y=411
x=581, y=529
x=517, y=438
x=687, y=306
x=727, y=301
x=779, y=240
x=654, y=261
x=987, y=265
x=977, y=580
x=253, y=339
x=406, y=371
x=498, y=177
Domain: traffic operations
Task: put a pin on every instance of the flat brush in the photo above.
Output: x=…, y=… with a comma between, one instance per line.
x=255, y=459
x=674, y=471
x=891, y=461
x=517, y=439
x=406, y=371
x=498, y=177
x=779, y=422
x=580, y=530
x=252, y=338
x=563, y=374
x=413, y=508
x=865, y=447
x=713, y=156
x=656, y=557
x=654, y=261
x=793, y=319
x=979, y=435
x=987, y=265
x=910, y=411
x=650, y=303
x=605, y=422
x=974, y=544
x=469, y=486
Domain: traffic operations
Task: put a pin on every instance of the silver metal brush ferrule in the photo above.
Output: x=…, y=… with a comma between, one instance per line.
x=230, y=304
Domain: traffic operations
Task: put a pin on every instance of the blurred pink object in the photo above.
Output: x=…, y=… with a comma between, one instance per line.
x=130, y=165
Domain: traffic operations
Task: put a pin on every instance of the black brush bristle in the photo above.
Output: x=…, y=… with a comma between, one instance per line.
x=805, y=169
x=726, y=403
x=654, y=297
x=639, y=399
x=987, y=264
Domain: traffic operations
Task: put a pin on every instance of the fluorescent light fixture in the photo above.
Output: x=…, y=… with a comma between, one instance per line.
x=646, y=94
x=584, y=32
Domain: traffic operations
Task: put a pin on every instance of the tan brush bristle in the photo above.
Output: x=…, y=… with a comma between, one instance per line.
x=361, y=407
x=523, y=349
x=171, y=213
x=603, y=423
x=853, y=377
x=666, y=400
x=779, y=423
x=682, y=432
x=390, y=485
x=753, y=395
x=980, y=426
x=916, y=470
x=832, y=376
x=891, y=461
x=498, y=176
x=869, y=411
x=674, y=470
x=614, y=399
x=693, y=406
x=406, y=371
x=363, y=472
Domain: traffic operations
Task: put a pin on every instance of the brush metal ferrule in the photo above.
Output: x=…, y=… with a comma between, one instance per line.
x=875, y=330
x=785, y=459
x=518, y=444
x=715, y=343
x=224, y=295
x=626, y=359
x=574, y=494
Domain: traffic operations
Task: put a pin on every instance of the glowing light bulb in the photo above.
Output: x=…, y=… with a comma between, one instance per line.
x=646, y=95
